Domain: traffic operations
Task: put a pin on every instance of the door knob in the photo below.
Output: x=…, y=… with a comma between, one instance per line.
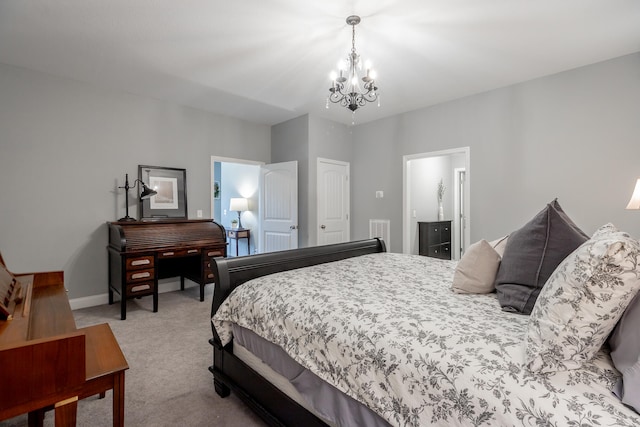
x=323, y=226
x=293, y=227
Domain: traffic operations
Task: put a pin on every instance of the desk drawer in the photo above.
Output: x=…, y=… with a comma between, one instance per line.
x=213, y=252
x=140, y=275
x=174, y=253
x=208, y=271
x=139, y=262
x=140, y=289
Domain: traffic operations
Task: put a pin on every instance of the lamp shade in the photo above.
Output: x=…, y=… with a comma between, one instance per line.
x=634, y=203
x=146, y=192
x=238, y=204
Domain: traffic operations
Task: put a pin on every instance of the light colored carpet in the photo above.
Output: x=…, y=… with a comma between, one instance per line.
x=168, y=352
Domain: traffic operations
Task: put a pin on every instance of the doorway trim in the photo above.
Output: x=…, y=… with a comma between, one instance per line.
x=406, y=197
x=346, y=202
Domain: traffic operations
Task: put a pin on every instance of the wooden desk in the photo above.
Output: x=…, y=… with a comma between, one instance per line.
x=142, y=252
x=240, y=233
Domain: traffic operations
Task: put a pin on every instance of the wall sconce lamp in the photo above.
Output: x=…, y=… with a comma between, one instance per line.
x=239, y=204
x=634, y=203
x=146, y=193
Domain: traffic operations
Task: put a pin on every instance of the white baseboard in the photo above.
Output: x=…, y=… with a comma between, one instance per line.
x=101, y=299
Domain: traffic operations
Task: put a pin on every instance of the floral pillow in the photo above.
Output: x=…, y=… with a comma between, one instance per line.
x=582, y=301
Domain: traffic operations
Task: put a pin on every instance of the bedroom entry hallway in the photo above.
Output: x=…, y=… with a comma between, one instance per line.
x=423, y=174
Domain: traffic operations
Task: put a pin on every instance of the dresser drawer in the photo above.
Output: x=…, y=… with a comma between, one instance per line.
x=139, y=262
x=140, y=289
x=140, y=275
x=440, y=251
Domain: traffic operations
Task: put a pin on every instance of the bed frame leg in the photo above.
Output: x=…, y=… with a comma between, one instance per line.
x=221, y=389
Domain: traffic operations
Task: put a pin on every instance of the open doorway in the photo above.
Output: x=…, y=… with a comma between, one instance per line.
x=231, y=179
x=268, y=219
x=423, y=174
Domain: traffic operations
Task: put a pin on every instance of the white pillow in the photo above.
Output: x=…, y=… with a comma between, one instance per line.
x=582, y=301
x=476, y=271
x=500, y=244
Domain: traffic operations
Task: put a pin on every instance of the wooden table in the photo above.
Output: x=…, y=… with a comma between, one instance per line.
x=240, y=233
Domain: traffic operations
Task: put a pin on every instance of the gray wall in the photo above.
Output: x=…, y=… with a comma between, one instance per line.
x=304, y=139
x=290, y=141
x=573, y=135
x=64, y=148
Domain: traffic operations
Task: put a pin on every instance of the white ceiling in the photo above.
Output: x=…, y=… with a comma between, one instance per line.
x=269, y=61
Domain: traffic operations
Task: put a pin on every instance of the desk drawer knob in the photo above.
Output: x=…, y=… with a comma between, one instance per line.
x=168, y=253
x=192, y=251
x=142, y=275
x=210, y=275
x=141, y=262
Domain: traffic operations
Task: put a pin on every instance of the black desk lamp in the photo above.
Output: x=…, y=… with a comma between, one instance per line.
x=146, y=193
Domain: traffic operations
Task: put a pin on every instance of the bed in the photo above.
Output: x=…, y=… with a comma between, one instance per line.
x=349, y=334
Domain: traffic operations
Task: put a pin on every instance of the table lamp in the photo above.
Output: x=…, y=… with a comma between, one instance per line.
x=634, y=203
x=239, y=204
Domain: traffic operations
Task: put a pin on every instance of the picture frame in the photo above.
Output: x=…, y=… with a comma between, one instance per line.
x=216, y=190
x=171, y=200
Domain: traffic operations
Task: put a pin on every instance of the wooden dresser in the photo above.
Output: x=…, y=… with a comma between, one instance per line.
x=142, y=252
x=434, y=239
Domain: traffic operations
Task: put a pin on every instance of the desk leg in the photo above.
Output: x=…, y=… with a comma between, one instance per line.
x=248, y=244
x=36, y=418
x=237, y=246
x=118, y=400
x=155, y=297
x=66, y=412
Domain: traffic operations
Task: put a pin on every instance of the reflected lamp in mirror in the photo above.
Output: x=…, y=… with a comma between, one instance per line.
x=145, y=194
x=239, y=204
x=634, y=203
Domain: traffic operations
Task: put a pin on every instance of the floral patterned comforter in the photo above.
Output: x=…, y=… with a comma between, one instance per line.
x=387, y=330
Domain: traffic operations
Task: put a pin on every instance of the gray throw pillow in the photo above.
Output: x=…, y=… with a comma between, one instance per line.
x=625, y=353
x=532, y=253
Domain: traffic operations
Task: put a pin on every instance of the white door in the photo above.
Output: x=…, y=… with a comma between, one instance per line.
x=278, y=213
x=333, y=201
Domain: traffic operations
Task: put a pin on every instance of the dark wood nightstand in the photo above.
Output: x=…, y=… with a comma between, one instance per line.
x=240, y=233
x=435, y=239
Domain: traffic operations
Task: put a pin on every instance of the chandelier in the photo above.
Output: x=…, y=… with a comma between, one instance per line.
x=345, y=88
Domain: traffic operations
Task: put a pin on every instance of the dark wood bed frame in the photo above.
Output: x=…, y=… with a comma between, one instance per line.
x=229, y=372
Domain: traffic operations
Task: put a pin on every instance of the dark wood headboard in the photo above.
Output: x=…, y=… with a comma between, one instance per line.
x=232, y=272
